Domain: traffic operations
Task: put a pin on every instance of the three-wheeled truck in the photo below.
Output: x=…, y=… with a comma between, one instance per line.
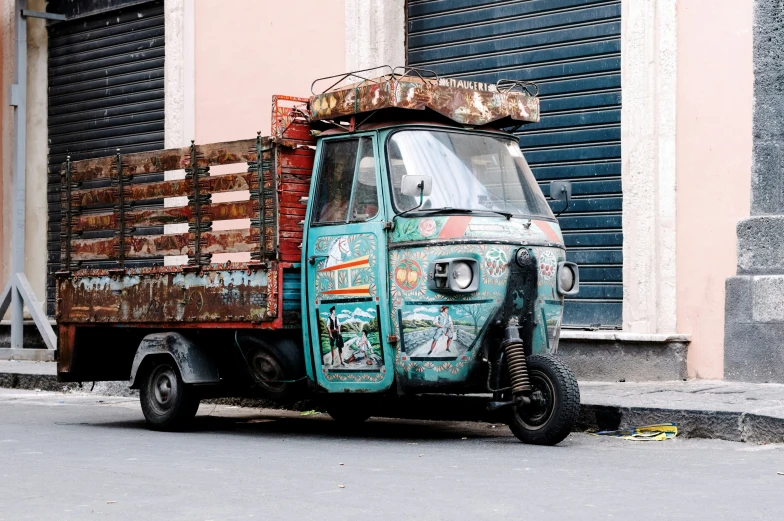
x=387, y=239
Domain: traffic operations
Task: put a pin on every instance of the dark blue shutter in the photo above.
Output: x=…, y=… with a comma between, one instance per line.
x=105, y=93
x=572, y=50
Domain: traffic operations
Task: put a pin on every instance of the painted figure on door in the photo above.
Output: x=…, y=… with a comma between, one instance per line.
x=444, y=328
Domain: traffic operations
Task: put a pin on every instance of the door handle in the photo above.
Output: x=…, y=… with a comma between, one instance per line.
x=312, y=258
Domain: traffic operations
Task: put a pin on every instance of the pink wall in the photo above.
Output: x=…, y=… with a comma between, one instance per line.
x=247, y=50
x=3, y=81
x=715, y=78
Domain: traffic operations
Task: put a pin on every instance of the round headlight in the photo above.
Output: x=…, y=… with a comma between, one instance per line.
x=462, y=274
x=566, y=278
x=523, y=257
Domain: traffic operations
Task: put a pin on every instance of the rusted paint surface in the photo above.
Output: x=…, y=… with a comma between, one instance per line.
x=233, y=210
x=289, y=118
x=229, y=294
x=94, y=249
x=108, y=220
x=158, y=161
x=133, y=164
x=465, y=102
x=227, y=153
x=146, y=246
x=230, y=240
x=65, y=341
x=209, y=296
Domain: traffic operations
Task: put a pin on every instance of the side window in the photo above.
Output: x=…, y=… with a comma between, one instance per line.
x=364, y=204
x=336, y=178
x=347, y=181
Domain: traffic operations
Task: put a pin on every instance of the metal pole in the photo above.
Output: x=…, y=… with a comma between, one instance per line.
x=18, y=182
x=18, y=290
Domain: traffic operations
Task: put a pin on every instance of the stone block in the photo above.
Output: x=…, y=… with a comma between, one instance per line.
x=754, y=352
x=769, y=117
x=768, y=39
x=616, y=360
x=768, y=298
x=738, y=302
x=761, y=245
x=767, y=177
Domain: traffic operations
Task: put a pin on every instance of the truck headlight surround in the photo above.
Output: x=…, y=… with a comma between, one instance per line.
x=454, y=275
x=568, y=278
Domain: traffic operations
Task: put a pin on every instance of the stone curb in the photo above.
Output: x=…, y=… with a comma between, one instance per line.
x=720, y=425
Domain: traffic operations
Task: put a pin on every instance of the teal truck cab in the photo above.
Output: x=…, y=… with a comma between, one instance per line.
x=396, y=244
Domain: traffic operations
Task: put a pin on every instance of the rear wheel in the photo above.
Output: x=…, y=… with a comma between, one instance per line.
x=277, y=366
x=555, y=403
x=168, y=403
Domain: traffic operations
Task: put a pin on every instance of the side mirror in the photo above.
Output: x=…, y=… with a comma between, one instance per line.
x=561, y=191
x=416, y=185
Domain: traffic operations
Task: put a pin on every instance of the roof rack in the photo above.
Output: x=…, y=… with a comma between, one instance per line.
x=466, y=102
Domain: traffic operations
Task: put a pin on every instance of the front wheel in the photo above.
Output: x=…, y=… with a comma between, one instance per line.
x=555, y=403
x=167, y=402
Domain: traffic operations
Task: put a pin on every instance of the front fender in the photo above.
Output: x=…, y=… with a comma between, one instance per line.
x=195, y=366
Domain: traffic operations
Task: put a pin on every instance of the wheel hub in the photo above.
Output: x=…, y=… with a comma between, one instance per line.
x=164, y=389
x=538, y=412
x=267, y=371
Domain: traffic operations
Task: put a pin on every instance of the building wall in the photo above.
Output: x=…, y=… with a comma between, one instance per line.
x=714, y=138
x=648, y=146
x=6, y=78
x=3, y=127
x=247, y=53
x=35, y=189
x=36, y=206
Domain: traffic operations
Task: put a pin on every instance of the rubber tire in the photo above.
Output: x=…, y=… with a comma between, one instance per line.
x=288, y=356
x=565, y=407
x=185, y=403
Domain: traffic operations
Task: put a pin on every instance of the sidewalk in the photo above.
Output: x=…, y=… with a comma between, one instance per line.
x=701, y=408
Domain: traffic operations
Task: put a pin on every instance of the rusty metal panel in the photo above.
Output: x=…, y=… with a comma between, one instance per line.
x=94, y=249
x=156, y=161
x=227, y=295
x=226, y=153
x=159, y=190
x=234, y=210
x=290, y=119
x=230, y=295
x=465, y=102
x=230, y=241
x=108, y=220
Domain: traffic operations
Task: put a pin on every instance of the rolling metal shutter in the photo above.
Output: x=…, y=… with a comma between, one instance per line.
x=105, y=93
x=572, y=50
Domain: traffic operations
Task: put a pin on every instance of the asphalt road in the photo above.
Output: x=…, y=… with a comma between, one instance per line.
x=86, y=457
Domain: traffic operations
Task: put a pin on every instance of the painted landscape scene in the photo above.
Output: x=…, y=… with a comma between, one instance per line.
x=358, y=327
x=442, y=330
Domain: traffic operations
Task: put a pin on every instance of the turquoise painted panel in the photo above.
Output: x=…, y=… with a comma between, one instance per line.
x=466, y=227
x=440, y=335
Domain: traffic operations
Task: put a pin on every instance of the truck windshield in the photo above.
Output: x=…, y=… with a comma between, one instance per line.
x=470, y=172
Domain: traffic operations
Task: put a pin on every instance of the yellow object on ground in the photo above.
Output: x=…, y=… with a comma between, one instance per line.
x=659, y=432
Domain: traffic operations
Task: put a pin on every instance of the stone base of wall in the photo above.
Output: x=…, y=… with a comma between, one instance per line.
x=617, y=356
x=30, y=335
x=34, y=346
x=754, y=329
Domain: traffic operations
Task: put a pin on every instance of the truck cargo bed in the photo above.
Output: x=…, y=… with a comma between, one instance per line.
x=155, y=239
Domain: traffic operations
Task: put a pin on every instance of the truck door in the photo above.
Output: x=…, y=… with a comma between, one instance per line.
x=347, y=270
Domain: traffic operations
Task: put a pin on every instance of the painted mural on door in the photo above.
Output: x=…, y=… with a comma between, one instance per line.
x=444, y=331
x=347, y=308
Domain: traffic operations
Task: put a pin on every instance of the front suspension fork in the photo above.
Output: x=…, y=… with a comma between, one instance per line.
x=512, y=356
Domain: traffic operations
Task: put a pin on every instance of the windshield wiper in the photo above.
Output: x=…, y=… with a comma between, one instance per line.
x=465, y=210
